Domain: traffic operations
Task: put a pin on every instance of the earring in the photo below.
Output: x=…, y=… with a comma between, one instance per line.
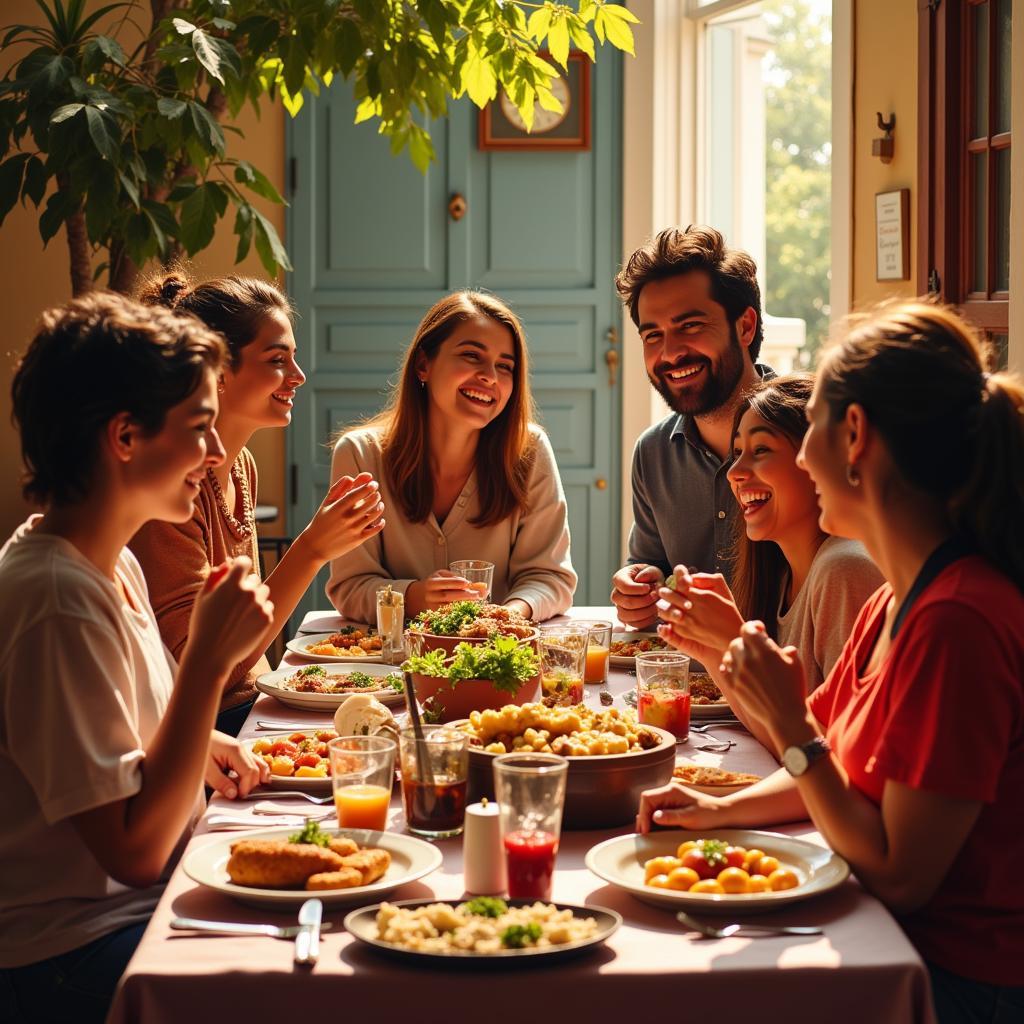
x=220, y=385
x=852, y=475
x=423, y=383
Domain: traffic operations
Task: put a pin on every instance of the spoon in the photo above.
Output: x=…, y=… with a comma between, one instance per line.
x=754, y=930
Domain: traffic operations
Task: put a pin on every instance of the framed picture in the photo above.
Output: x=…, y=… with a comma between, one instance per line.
x=892, y=235
x=501, y=125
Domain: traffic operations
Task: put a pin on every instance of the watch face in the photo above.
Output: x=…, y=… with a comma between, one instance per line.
x=794, y=760
x=543, y=120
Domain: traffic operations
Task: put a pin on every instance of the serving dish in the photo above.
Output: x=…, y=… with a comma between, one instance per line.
x=634, y=637
x=302, y=783
x=300, y=645
x=601, y=790
x=270, y=683
x=620, y=861
x=411, y=859
x=362, y=925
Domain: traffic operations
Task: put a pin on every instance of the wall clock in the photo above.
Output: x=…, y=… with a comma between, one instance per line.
x=501, y=126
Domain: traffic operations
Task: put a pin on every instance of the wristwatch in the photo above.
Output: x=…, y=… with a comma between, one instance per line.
x=796, y=760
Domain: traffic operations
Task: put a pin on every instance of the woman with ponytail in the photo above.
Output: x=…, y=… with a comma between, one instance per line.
x=910, y=758
x=256, y=391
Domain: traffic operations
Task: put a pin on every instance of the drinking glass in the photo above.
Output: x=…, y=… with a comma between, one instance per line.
x=480, y=575
x=362, y=773
x=563, y=653
x=530, y=789
x=598, y=648
x=663, y=691
x=391, y=624
x=434, y=776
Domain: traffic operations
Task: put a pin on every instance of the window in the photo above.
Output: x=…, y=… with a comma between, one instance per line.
x=964, y=203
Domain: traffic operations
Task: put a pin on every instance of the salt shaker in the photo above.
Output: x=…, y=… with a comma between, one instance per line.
x=483, y=857
x=390, y=623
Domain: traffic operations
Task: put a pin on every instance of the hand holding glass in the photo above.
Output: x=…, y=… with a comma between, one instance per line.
x=479, y=575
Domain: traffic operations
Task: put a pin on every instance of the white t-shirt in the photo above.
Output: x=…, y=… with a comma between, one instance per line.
x=84, y=682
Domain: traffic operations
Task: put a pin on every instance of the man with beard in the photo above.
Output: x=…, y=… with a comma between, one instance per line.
x=697, y=306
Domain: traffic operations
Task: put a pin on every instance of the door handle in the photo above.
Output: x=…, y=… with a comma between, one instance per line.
x=611, y=358
x=457, y=206
x=601, y=484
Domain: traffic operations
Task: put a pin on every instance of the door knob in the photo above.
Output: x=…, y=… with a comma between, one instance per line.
x=457, y=206
x=601, y=484
x=611, y=358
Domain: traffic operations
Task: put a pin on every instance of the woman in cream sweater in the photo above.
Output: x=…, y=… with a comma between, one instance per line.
x=464, y=472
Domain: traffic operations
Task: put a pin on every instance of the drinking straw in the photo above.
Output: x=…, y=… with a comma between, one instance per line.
x=422, y=761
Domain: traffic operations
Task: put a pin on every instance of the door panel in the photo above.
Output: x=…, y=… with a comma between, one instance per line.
x=374, y=248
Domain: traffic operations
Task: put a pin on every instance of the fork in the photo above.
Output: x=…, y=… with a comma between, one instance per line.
x=275, y=793
x=754, y=930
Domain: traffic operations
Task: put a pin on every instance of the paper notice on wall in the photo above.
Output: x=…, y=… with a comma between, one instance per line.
x=891, y=235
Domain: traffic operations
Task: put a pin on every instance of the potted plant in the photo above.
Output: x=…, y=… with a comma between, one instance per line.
x=439, y=628
x=490, y=674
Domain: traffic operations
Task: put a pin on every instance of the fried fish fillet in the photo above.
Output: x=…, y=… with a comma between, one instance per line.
x=343, y=846
x=343, y=878
x=275, y=864
x=371, y=863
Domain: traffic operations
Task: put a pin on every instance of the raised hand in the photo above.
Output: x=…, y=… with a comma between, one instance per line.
x=350, y=514
x=634, y=594
x=231, y=617
x=437, y=589
x=700, y=616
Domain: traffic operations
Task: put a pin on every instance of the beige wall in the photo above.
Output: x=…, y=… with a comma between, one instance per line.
x=33, y=279
x=885, y=79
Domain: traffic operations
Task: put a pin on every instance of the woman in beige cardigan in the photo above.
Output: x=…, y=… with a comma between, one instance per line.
x=464, y=472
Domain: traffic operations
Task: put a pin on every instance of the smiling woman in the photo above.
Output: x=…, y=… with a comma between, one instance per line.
x=256, y=391
x=464, y=470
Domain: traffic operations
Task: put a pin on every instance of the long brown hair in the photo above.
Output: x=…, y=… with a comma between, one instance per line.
x=505, y=450
x=759, y=566
x=954, y=431
x=233, y=306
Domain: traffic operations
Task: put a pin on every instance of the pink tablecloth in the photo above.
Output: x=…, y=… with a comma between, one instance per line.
x=862, y=968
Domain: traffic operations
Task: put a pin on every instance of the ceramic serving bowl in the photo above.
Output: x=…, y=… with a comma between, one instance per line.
x=469, y=695
x=600, y=791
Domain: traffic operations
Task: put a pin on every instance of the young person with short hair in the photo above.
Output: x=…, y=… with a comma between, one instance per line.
x=104, y=742
x=464, y=470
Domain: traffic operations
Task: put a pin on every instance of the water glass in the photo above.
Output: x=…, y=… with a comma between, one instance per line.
x=563, y=654
x=480, y=575
x=435, y=771
x=362, y=773
x=530, y=789
x=391, y=624
x=663, y=691
x=598, y=649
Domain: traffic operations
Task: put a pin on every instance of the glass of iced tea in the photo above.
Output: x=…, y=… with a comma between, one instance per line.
x=434, y=777
x=663, y=691
x=530, y=789
x=480, y=575
x=563, y=653
x=362, y=773
x=598, y=648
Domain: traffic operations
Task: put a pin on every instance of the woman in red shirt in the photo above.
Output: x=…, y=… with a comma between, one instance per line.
x=910, y=758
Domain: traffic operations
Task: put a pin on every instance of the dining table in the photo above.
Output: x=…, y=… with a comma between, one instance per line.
x=861, y=968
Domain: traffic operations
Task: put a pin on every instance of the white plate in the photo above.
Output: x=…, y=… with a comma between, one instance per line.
x=270, y=683
x=411, y=858
x=362, y=925
x=300, y=645
x=631, y=636
x=290, y=781
x=620, y=861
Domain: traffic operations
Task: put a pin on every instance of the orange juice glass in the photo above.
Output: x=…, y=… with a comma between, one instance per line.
x=598, y=647
x=362, y=773
x=363, y=807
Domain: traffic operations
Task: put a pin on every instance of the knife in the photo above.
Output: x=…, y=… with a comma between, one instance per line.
x=193, y=924
x=307, y=941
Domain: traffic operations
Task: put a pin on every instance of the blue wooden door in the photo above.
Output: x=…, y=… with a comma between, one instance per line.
x=374, y=247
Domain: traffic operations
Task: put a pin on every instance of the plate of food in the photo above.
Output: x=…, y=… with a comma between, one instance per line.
x=712, y=780
x=322, y=688
x=350, y=643
x=727, y=871
x=627, y=644
x=484, y=932
x=297, y=760
x=281, y=869
x=706, y=700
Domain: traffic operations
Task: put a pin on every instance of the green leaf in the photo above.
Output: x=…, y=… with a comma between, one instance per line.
x=207, y=54
x=421, y=149
x=11, y=173
x=69, y=110
x=198, y=220
x=620, y=35
x=36, y=178
x=100, y=204
x=621, y=13
x=243, y=228
x=103, y=132
x=582, y=39
x=539, y=23
x=271, y=252
x=100, y=49
x=558, y=40
x=53, y=217
x=293, y=59
x=130, y=187
x=182, y=26
x=478, y=80
x=207, y=129
x=49, y=78
x=432, y=12
x=255, y=179
x=170, y=107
